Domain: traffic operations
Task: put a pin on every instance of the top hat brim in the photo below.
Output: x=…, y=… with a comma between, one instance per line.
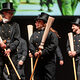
x=75, y=23
x=40, y=18
x=7, y=10
x=43, y=16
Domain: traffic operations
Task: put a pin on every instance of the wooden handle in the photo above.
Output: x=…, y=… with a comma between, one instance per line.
x=7, y=69
x=70, y=35
x=13, y=66
x=1, y=18
x=34, y=67
x=30, y=32
x=48, y=25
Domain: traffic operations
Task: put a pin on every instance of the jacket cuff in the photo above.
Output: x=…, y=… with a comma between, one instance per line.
x=23, y=58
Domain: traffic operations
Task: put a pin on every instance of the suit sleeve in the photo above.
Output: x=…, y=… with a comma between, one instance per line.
x=59, y=54
x=68, y=45
x=52, y=46
x=24, y=50
x=15, y=37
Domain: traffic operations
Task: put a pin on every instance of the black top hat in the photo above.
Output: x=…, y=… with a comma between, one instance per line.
x=76, y=21
x=43, y=16
x=7, y=6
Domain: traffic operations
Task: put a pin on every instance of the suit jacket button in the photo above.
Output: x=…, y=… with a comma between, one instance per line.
x=9, y=31
x=8, y=38
x=17, y=50
x=36, y=36
x=2, y=31
x=39, y=32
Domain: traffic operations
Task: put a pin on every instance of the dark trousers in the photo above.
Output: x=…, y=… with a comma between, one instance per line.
x=6, y=76
x=4, y=60
x=45, y=70
x=78, y=69
x=21, y=71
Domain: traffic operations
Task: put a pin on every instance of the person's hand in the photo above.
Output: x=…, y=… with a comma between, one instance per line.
x=30, y=55
x=69, y=53
x=7, y=52
x=61, y=62
x=2, y=45
x=72, y=53
x=38, y=53
x=20, y=62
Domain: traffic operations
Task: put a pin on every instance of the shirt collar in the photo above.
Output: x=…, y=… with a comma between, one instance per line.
x=5, y=20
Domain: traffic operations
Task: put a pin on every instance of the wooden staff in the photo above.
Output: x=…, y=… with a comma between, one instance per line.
x=30, y=32
x=0, y=17
x=7, y=69
x=70, y=35
x=12, y=63
x=48, y=25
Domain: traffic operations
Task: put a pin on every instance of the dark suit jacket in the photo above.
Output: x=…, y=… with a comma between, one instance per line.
x=11, y=33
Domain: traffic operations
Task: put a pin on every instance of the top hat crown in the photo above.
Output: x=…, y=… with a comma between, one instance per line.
x=76, y=21
x=43, y=16
x=7, y=6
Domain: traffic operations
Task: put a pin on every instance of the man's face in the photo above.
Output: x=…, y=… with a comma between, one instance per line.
x=75, y=28
x=39, y=24
x=8, y=14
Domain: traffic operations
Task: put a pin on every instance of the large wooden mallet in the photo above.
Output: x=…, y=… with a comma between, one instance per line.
x=12, y=63
x=70, y=35
x=48, y=25
x=30, y=32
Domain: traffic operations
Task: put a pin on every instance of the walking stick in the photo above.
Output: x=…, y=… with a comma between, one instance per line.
x=48, y=25
x=12, y=63
x=30, y=32
x=70, y=35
